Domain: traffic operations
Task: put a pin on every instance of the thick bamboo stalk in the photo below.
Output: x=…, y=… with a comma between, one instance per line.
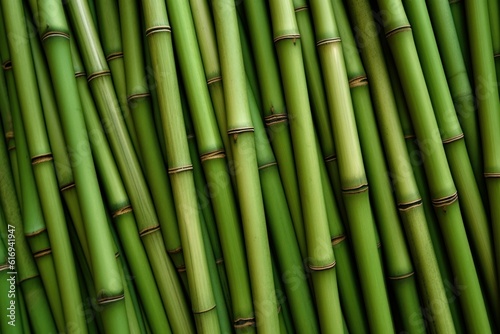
x=241, y=132
x=443, y=191
x=319, y=250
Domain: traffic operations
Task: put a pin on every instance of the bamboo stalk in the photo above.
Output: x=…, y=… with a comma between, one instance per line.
x=458, y=12
x=443, y=191
x=43, y=165
x=493, y=10
x=240, y=129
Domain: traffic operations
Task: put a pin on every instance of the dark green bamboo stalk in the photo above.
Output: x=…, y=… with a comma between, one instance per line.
x=179, y=164
x=242, y=140
x=458, y=12
x=493, y=10
x=486, y=90
x=140, y=107
x=319, y=250
x=43, y=165
x=443, y=191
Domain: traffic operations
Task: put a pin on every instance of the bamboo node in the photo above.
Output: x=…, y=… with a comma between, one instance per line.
x=137, y=96
x=379, y=244
x=11, y=148
x=41, y=158
x=452, y=139
x=244, y=322
x=301, y=8
x=454, y=1
x=275, y=119
x=444, y=201
x=181, y=269
x=409, y=205
x=356, y=190
x=43, y=252
x=397, y=30
x=117, y=255
x=154, y=30
x=219, y=154
x=108, y=300
x=34, y=234
x=400, y=277
x=122, y=211
x=219, y=261
x=174, y=251
x=287, y=36
x=98, y=74
x=331, y=158
x=321, y=268
x=27, y=278
x=496, y=55
x=50, y=34
x=362, y=80
x=237, y=131
x=67, y=187
x=338, y=239
x=206, y=310
x=270, y=164
x=4, y=267
x=328, y=41
x=214, y=80
x=149, y=230
x=180, y=169
x=491, y=175
x=190, y=136
x=7, y=65
x=114, y=55
x=80, y=74
x=410, y=136
x=9, y=135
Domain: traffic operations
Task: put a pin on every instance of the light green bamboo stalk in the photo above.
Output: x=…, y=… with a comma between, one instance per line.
x=458, y=12
x=242, y=140
x=179, y=164
x=443, y=191
x=319, y=250
x=42, y=164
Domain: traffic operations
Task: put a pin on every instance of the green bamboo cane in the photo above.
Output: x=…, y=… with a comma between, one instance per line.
x=453, y=138
x=43, y=165
x=352, y=174
x=146, y=271
x=179, y=164
x=459, y=84
x=286, y=323
x=443, y=191
x=109, y=22
x=241, y=132
x=493, y=10
x=140, y=106
x=399, y=163
x=281, y=228
x=319, y=250
x=486, y=90
x=399, y=267
x=458, y=12
x=274, y=110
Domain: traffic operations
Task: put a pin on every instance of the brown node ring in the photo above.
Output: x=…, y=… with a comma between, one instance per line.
x=397, y=30
x=331, y=158
x=321, y=268
x=9, y=135
x=149, y=230
x=107, y=300
x=114, y=55
x=356, y=190
x=122, y=211
x=328, y=41
x=301, y=8
x=270, y=164
x=80, y=74
x=491, y=175
x=137, y=96
x=219, y=154
x=180, y=169
x=38, y=159
x=174, y=251
x=400, y=277
x=294, y=37
x=205, y=311
x=154, y=30
x=214, y=80
x=409, y=205
x=98, y=75
x=444, y=201
x=496, y=55
x=410, y=136
x=362, y=80
x=50, y=34
x=244, y=322
x=42, y=253
x=67, y=187
x=452, y=139
x=275, y=119
x=338, y=239
x=7, y=65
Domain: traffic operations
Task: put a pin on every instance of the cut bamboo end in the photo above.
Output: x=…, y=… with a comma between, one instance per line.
x=156, y=29
x=219, y=154
x=338, y=239
x=444, y=201
x=50, y=34
x=214, y=80
x=244, y=322
x=180, y=169
x=9, y=135
x=322, y=268
x=409, y=205
x=42, y=253
x=205, y=310
x=108, y=300
x=264, y=166
x=400, y=277
x=275, y=119
x=137, y=96
x=80, y=74
x=331, y=158
x=397, y=30
x=67, y=187
x=114, y=55
x=362, y=80
x=328, y=41
x=301, y=8
x=293, y=37
x=174, y=251
x=219, y=261
x=98, y=75
x=7, y=65
x=122, y=211
x=149, y=230
x=453, y=139
x=356, y=190
x=36, y=160
x=491, y=175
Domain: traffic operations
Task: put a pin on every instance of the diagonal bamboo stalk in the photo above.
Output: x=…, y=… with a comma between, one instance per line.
x=458, y=11
x=493, y=10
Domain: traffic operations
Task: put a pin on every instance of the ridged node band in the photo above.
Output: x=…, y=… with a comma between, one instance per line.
x=397, y=30
x=98, y=75
x=275, y=119
x=301, y=8
x=4, y=267
x=270, y=164
x=108, y=300
x=321, y=268
x=491, y=175
x=181, y=269
x=244, y=322
x=356, y=190
x=80, y=74
x=132, y=97
x=452, y=139
x=238, y=131
x=122, y=211
x=410, y=136
x=219, y=261
x=219, y=154
x=331, y=158
x=154, y=30
x=400, y=277
x=114, y=55
x=338, y=239
x=287, y=36
x=409, y=205
x=496, y=55
x=9, y=135
x=214, y=80
x=180, y=169
x=205, y=311
x=42, y=253
x=41, y=158
x=50, y=34
x=328, y=41
x=149, y=230
x=444, y=201
x=174, y=251
x=67, y=187
x=362, y=80
x=7, y=65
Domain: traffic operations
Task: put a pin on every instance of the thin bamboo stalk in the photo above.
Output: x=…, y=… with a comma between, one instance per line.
x=493, y=10
x=242, y=140
x=43, y=164
x=443, y=191
x=458, y=12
